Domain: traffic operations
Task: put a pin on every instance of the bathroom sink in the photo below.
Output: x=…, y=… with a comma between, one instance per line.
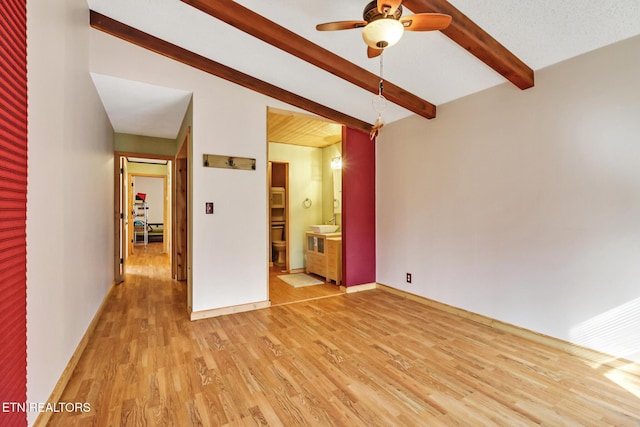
x=322, y=228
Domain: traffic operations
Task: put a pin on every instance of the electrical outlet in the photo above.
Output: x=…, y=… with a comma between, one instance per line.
x=408, y=277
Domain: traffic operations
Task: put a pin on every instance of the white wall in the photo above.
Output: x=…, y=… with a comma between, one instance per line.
x=70, y=192
x=153, y=187
x=305, y=182
x=524, y=206
x=230, y=248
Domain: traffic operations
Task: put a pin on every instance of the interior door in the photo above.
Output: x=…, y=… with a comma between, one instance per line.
x=181, y=228
x=269, y=196
x=129, y=214
x=123, y=218
x=181, y=231
x=120, y=215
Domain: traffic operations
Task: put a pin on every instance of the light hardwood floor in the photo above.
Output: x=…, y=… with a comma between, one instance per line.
x=369, y=358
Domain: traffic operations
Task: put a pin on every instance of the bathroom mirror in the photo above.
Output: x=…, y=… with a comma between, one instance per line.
x=337, y=191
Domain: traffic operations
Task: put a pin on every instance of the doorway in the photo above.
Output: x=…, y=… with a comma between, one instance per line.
x=300, y=149
x=279, y=256
x=143, y=211
x=149, y=206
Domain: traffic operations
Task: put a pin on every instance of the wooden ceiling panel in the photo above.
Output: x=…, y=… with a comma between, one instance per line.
x=301, y=129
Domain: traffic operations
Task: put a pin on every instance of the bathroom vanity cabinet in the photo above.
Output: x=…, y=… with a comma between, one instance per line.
x=334, y=259
x=324, y=255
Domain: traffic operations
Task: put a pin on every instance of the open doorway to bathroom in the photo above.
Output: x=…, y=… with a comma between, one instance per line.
x=303, y=191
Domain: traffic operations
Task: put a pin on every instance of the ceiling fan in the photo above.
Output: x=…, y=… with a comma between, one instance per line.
x=383, y=24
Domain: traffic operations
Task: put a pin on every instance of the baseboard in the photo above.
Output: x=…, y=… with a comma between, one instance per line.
x=205, y=314
x=360, y=288
x=594, y=357
x=56, y=394
x=297, y=270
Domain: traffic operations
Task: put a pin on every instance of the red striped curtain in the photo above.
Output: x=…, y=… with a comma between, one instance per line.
x=13, y=211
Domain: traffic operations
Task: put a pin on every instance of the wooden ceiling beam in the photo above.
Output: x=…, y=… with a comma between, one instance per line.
x=478, y=42
x=147, y=41
x=268, y=31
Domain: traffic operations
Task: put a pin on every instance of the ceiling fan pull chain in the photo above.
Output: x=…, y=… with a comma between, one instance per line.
x=379, y=101
x=381, y=85
x=379, y=105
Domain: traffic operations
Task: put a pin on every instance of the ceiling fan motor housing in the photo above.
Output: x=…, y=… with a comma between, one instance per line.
x=371, y=12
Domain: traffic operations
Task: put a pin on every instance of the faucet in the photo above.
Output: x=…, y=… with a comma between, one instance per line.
x=332, y=220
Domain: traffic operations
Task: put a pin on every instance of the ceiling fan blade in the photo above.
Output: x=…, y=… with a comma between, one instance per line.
x=373, y=52
x=340, y=25
x=425, y=22
x=391, y=4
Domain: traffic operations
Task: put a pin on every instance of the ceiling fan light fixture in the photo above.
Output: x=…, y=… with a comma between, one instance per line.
x=382, y=33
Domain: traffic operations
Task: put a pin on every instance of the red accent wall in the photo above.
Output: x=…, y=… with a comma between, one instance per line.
x=13, y=209
x=358, y=208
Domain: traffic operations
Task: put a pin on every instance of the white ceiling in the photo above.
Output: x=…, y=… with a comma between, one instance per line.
x=139, y=108
x=540, y=33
